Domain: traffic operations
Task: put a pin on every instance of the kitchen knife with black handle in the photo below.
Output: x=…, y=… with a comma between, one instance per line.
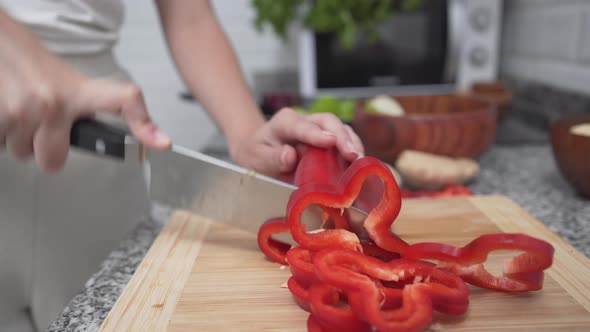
x=184, y=179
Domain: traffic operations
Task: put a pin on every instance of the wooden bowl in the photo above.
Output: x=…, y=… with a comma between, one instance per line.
x=496, y=93
x=572, y=152
x=448, y=125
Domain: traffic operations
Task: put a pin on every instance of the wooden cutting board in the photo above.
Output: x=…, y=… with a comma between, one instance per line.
x=204, y=276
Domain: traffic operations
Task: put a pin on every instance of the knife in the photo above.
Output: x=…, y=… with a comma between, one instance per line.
x=180, y=178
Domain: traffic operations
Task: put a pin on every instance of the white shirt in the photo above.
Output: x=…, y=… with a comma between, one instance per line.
x=71, y=27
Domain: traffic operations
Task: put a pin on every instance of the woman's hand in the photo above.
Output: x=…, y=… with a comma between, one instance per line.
x=271, y=149
x=41, y=97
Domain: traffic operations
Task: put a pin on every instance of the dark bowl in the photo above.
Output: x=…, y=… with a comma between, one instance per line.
x=572, y=152
x=496, y=93
x=448, y=125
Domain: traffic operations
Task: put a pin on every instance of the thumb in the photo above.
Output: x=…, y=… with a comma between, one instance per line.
x=120, y=98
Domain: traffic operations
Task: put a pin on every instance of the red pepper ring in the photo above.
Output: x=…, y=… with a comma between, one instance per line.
x=276, y=250
x=523, y=272
x=300, y=293
x=299, y=260
x=273, y=249
x=313, y=325
x=338, y=217
x=324, y=305
x=371, y=249
x=359, y=276
x=342, y=195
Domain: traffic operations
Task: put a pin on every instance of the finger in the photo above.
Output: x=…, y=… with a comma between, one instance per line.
x=20, y=143
x=19, y=140
x=356, y=141
x=273, y=160
x=125, y=99
x=51, y=144
x=331, y=123
x=4, y=125
x=37, y=106
x=288, y=126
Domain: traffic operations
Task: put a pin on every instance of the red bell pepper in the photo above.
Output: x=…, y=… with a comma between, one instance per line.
x=342, y=195
x=273, y=249
x=317, y=165
x=306, y=172
x=318, y=298
x=313, y=325
x=351, y=284
x=521, y=273
x=448, y=191
x=300, y=265
x=325, y=303
x=300, y=293
x=371, y=249
x=355, y=274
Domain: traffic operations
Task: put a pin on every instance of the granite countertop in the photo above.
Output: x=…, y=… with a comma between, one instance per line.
x=523, y=170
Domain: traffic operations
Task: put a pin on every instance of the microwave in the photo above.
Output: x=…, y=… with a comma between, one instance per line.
x=441, y=47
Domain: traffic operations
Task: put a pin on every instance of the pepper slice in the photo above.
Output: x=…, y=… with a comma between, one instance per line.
x=273, y=249
x=371, y=249
x=300, y=293
x=300, y=265
x=332, y=315
x=307, y=172
x=342, y=195
x=356, y=274
x=521, y=273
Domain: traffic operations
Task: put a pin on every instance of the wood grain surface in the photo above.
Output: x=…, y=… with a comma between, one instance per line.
x=204, y=276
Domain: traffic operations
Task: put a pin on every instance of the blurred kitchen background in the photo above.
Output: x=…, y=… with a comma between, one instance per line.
x=540, y=42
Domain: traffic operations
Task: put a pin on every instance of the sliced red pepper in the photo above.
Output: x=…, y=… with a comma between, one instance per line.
x=338, y=217
x=521, y=273
x=371, y=249
x=300, y=293
x=448, y=191
x=307, y=172
x=277, y=250
x=273, y=249
x=299, y=260
x=325, y=305
x=317, y=165
x=313, y=325
x=355, y=274
x=351, y=285
x=342, y=195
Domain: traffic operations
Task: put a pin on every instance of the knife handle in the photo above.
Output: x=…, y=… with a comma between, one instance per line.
x=98, y=138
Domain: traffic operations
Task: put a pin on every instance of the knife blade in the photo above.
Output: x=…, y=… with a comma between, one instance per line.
x=180, y=178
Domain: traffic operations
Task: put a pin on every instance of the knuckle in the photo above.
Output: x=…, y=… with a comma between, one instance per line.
x=133, y=92
x=47, y=101
x=331, y=117
x=15, y=112
x=286, y=112
x=304, y=130
x=327, y=118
